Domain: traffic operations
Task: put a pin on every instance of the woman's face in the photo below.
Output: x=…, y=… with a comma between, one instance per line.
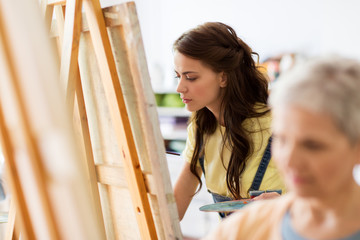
x=314, y=156
x=199, y=86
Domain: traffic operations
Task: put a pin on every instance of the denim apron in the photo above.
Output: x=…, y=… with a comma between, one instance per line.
x=256, y=182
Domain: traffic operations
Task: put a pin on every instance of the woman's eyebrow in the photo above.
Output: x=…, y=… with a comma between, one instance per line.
x=184, y=73
x=187, y=72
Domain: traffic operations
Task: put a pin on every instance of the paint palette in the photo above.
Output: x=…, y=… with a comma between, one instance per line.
x=227, y=206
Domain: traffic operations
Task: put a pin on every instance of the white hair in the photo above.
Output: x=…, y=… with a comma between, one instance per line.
x=329, y=85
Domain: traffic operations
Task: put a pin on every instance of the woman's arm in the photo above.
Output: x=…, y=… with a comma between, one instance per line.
x=184, y=189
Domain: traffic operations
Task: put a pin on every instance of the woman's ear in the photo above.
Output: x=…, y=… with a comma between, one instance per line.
x=357, y=157
x=223, y=79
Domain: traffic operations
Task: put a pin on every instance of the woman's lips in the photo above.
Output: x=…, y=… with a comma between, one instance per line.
x=185, y=100
x=300, y=180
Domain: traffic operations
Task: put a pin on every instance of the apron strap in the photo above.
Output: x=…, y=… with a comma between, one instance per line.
x=262, y=168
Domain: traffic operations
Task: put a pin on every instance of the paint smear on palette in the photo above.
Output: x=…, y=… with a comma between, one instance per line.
x=228, y=206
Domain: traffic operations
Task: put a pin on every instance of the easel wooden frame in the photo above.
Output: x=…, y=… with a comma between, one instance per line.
x=28, y=127
x=146, y=174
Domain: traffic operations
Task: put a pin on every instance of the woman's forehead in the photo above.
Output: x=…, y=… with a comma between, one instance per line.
x=292, y=117
x=184, y=64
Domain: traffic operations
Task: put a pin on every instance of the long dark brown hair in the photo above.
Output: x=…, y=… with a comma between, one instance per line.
x=216, y=45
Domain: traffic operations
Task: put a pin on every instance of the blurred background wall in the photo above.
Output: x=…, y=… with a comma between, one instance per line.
x=271, y=28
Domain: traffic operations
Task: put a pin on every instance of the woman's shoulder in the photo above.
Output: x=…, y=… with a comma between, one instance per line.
x=261, y=122
x=263, y=108
x=245, y=222
x=191, y=128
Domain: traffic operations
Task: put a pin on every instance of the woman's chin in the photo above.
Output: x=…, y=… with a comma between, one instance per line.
x=191, y=108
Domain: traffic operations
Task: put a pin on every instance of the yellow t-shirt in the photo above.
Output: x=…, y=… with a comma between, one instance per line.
x=215, y=173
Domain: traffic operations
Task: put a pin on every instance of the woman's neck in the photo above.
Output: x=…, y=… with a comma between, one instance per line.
x=338, y=204
x=216, y=112
x=325, y=216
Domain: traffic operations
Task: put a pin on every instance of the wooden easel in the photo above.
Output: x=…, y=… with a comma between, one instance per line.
x=47, y=179
x=116, y=56
x=105, y=76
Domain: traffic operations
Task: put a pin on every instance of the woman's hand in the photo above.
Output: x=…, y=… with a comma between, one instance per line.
x=268, y=195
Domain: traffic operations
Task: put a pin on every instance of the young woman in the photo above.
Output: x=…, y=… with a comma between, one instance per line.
x=229, y=131
x=316, y=129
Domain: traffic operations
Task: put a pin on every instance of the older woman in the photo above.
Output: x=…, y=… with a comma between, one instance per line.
x=316, y=144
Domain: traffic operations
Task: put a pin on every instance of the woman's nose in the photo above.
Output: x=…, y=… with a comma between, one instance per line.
x=181, y=88
x=293, y=157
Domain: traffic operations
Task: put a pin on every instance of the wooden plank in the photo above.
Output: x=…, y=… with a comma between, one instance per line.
x=119, y=118
x=15, y=185
x=74, y=81
x=125, y=219
x=48, y=11
x=60, y=22
x=105, y=147
x=90, y=163
x=109, y=175
x=147, y=112
x=121, y=55
x=70, y=50
x=10, y=228
x=56, y=2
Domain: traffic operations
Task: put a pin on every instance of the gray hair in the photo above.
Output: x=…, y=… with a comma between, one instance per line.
x=329, y=85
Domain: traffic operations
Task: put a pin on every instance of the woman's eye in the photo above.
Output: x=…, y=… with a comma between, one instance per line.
x=190, y=78
x=314, y=146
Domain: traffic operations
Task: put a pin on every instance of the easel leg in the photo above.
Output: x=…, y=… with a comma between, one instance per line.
x=10, y=228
